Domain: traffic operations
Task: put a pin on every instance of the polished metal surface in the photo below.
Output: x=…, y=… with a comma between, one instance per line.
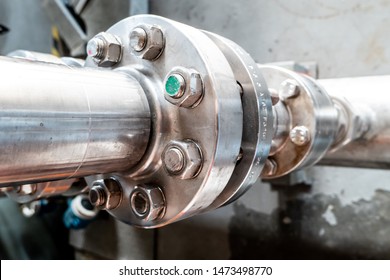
x=182, y=121
x=367, y=138
x=61, y=122
x=352, y=42
x=257, y=120
x=281, y=125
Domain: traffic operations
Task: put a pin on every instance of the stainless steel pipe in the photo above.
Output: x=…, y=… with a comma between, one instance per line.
x=367, y=102
x=60, y=122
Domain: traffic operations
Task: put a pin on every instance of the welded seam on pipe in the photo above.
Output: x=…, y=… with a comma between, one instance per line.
x=89, y=134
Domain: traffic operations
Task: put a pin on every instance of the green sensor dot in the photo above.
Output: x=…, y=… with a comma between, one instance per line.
x=173, y=86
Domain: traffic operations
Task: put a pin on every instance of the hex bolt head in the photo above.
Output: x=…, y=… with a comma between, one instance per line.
x=105, y=194
x=97, y=195
x=182, y=158
x=300, y=135
x=147, y=41
x=289, y=89
x=148, y=202
x=105, y=49
x=138, y=39
x=175, y=86
x=173, y=160
x=96, y=48
x=183, y=87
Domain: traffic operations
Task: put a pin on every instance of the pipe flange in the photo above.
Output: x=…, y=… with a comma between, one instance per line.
x=313, y=120
x=213, y=120
x=257, y=120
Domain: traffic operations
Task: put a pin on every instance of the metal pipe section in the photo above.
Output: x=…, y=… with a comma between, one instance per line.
x=59, y=122
x=365, y=102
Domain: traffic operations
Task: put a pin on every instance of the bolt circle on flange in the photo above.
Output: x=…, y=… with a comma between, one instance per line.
x=147, y=202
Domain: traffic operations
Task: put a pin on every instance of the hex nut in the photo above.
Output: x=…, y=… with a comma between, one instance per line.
x=106, y=194
x=193, y=90
x=289, y=89
x=148, y=202
x=300, y=135
x=192, y=158
x=105, y=49
x=152, y=45
x=270, y=168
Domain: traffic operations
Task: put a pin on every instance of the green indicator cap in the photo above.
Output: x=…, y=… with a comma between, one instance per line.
x=174, y=85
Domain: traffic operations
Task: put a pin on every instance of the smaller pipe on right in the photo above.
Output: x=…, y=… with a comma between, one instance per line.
x=364, y=139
